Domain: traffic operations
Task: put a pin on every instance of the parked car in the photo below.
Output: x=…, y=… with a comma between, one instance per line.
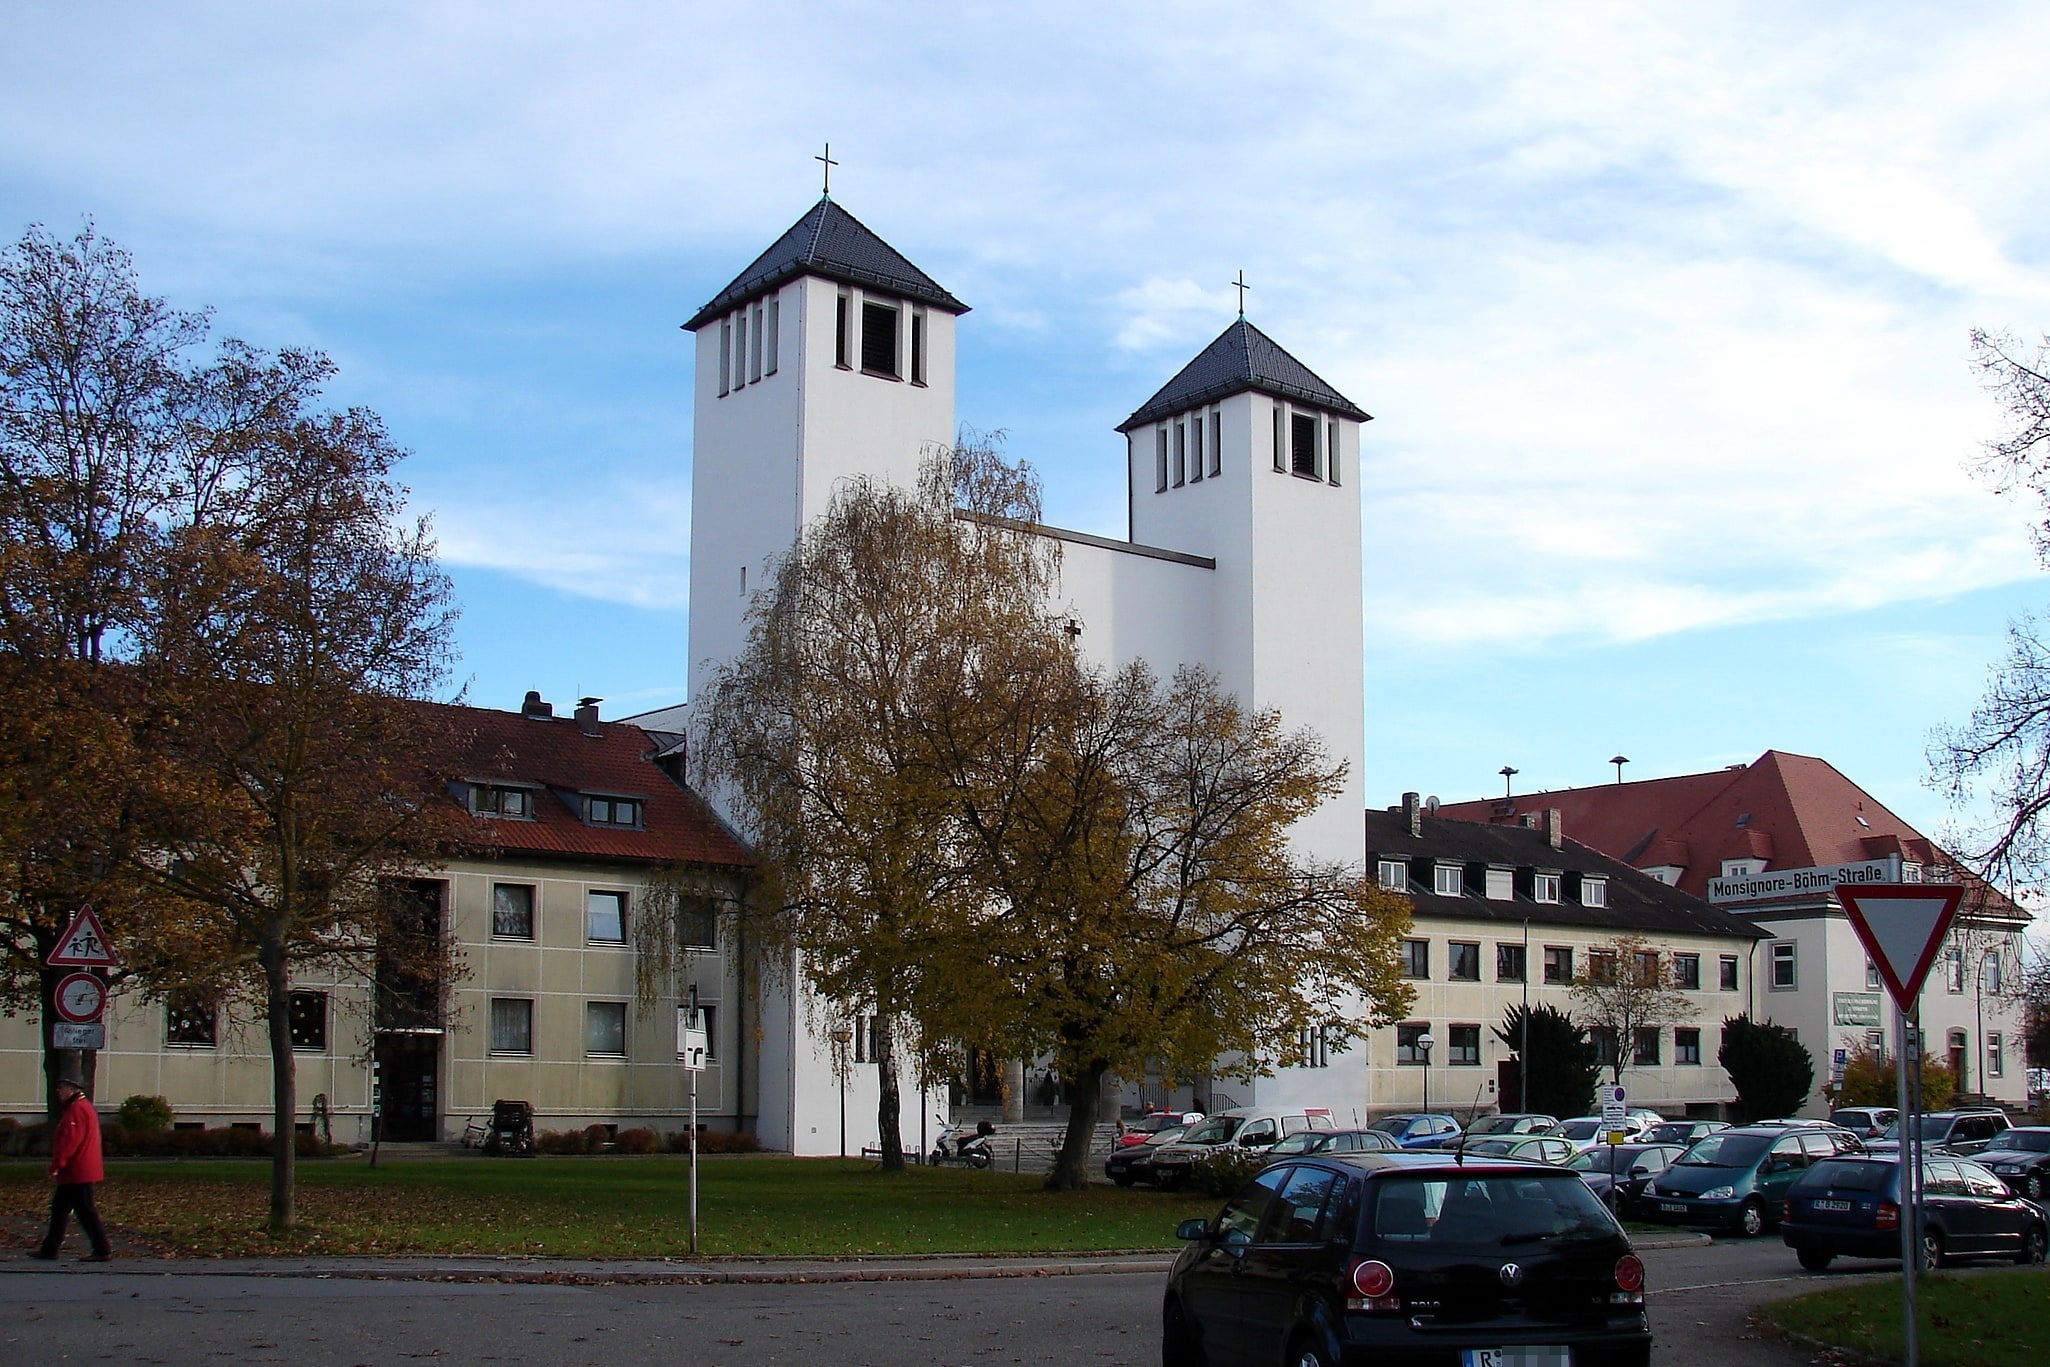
x=1332, y=1142
x=1866, y=1122
x=1535, y=1148
x=1851, y=1207
x=2020, y=1157
x=1588, y=1130
x=1405, y=1257
x=1512, y=1122
x=1682, y=1132
x=1735, y=1179
x=1240, y=1130
x=1414, y=1131
x=1135, y=1163
x=1959, y=1132
x=1619, y=1174
x=1146, y=1126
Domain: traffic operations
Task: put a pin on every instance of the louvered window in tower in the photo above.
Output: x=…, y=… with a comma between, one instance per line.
x=1302, y=444
x=878, y=338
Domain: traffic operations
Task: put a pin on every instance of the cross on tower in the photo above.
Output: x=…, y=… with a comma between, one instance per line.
x=827, y=189
x=1241, y=286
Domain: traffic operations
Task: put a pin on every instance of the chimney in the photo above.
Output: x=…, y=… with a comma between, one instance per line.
x=1413, y=812
x=587, y=715
x=1555, y=828
x=534, y=709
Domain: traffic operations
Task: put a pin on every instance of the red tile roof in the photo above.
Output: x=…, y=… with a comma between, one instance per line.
x=678, y=827
x=1795, y=810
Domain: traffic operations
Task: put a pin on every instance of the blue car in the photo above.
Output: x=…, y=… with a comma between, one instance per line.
x=1418, y=1130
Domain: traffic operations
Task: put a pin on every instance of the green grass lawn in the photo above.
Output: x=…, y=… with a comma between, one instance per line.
x=1980, y=1320
x=615, y=1207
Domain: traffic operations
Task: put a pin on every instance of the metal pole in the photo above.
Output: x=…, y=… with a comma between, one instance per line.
x=1523, y=1048
x=694, y=1163
x=1909, y=1250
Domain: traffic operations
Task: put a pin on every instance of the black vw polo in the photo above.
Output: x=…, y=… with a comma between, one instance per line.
x=1407, y=1260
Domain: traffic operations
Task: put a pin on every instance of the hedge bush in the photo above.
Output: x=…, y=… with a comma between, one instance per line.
x=637, y=1140
x=715, y=1141
x=144, y=1115
x=1222, y=1174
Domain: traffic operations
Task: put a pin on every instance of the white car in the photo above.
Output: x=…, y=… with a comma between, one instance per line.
x=1589, y=1130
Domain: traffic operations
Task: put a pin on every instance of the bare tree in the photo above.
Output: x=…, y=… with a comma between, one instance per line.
x=1628, y=986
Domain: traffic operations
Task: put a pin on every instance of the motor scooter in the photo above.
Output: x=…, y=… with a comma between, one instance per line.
x=959, y=1144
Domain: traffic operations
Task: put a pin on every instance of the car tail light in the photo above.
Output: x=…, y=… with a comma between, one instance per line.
x=1787, y=1209
x=1888, y=1216
x=1629, y=1281
x=1373, y=1283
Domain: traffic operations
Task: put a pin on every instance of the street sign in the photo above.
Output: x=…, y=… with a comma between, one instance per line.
x=81, y=998
x=691, y=1049
x=1902, y=926
x=84, y=944
x=69, y=1035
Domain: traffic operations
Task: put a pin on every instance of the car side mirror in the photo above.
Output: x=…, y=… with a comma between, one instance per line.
x=1192, y=1229
x=1640, y=1171
x=1778, y=1164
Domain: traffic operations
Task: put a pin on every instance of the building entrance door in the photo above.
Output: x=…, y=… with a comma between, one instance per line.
x=409, y=1069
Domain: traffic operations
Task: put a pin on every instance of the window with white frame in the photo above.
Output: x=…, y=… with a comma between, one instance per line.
x=1996, y=1057
x=1546, y=887
x=605, y=917
x=1871, y=973
x=605, y=1029
x=512, y=1025
x=1311, y=1049
x=1501, y=885
x=1954, y=969
x=1989, y=973
x=492, y=799
x=1395, y=875
x=1448, y=880
x=1783, y=965
x=1594, y=892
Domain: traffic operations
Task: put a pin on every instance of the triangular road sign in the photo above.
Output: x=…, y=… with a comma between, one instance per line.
x=1902, y=925
x=84, y=944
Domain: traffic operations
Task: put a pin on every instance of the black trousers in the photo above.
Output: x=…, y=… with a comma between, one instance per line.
x=69, y=1197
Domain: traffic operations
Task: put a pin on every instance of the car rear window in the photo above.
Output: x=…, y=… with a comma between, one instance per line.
x=1843, y=1174
x=1496, y=1210
x=1726, y=1151
x=2024, y=1141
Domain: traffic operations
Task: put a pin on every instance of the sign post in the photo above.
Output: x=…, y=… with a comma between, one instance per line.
x=692, y=1044
x=1902, y=926
x=81, y=997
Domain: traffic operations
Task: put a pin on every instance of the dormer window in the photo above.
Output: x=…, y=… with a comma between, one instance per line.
x=1395, y=875
x=1448, y=880
x=612, y=811
x=500, y=800
x=1501, y=885
x=1594, y=892
x=1545, y=888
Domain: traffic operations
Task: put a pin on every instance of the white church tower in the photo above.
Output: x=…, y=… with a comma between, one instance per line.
x=831, y=355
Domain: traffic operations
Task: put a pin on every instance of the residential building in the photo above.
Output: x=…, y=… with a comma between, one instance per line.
x=1510, y=915
x=1770, y=841
x=581, y=829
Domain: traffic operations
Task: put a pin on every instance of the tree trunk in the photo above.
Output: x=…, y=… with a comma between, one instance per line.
x=1085, y=1098
x=277, y=979
x=889, y=1103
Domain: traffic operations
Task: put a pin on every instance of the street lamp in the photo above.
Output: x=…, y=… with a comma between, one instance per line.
x=1425, y=1044
x=841, y=1038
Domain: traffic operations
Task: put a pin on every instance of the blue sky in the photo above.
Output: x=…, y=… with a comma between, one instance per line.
x=1662, y=317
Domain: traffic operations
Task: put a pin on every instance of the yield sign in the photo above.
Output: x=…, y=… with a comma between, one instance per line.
x=1902, y=925
x=84, y=944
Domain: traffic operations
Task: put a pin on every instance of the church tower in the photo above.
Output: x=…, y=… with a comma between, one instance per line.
x=831, y=355
x=1248, y=459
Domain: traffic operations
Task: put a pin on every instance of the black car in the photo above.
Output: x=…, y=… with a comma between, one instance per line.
x=1134, y=1162
x=2020, y=1157
x=1407, y=1258
x=1618, y=1174
x=1851, y=1207
x=1958, y=1132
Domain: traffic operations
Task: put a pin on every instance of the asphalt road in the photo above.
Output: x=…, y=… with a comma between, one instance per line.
x=68, y=1313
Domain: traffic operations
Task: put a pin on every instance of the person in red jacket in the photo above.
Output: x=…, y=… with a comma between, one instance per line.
x=75, y=1167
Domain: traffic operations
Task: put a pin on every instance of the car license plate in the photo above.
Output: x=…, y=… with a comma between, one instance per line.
x=1832, y=1205
x=1536, y=1356
x=1672, y=1207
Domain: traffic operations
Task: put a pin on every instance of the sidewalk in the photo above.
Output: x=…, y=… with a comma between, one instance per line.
x=436, y=1267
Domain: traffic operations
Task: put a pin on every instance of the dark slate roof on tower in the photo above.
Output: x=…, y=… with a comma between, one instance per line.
x=1242, y=358
x=829, y=242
